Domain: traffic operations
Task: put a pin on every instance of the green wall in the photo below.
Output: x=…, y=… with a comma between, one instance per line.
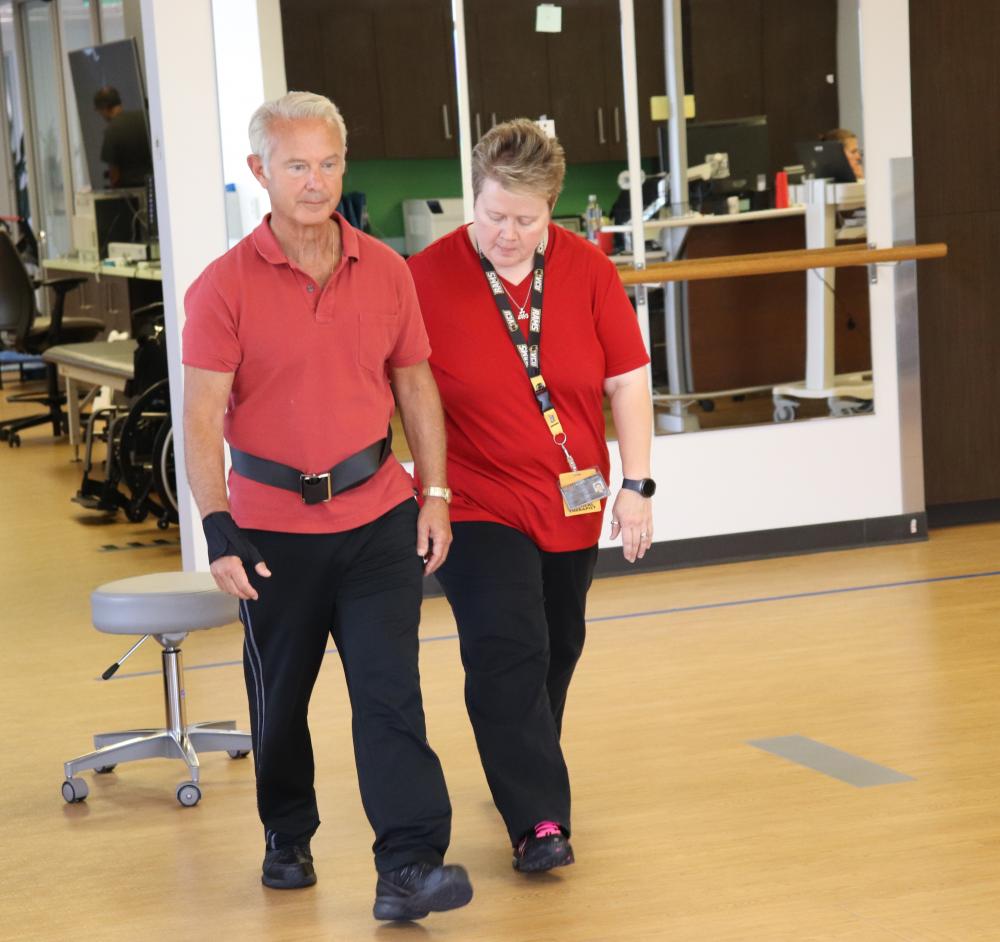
x=386, y=183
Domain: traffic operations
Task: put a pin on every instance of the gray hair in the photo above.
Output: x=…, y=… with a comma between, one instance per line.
x=290, y=107
x=521, y=157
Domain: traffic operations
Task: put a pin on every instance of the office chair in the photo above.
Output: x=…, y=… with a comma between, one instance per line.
x=24, y=330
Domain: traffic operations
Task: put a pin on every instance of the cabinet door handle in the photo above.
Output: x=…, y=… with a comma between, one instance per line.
x=601, y=139
x=479, y=129
x=493, y=119
x=447, y=124
x=618, y=131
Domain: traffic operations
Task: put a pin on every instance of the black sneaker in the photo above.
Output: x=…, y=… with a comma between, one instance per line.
x=288, y=868
x=544, y=848
x=413, y=891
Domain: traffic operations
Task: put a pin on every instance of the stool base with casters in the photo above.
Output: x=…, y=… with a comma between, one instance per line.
x=190, y=600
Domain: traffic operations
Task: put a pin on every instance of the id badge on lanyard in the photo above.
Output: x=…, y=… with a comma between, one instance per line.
x=582, y=490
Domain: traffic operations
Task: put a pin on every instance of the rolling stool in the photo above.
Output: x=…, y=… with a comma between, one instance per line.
x=165, y=606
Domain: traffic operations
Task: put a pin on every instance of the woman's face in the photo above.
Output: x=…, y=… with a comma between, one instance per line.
x=853, y=153
x=508, y=226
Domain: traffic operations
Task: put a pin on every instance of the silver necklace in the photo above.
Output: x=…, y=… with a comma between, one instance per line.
x=522, y=309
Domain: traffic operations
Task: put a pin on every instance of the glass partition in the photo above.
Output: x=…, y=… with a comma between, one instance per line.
x=50, y=217
x=774, y=165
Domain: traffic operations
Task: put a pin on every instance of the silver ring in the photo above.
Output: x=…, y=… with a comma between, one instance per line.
x=643, y=534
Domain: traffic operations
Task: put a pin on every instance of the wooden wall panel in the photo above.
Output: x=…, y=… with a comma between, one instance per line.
x=799, y=52
x=751, y=331
x=955, y=88
x=955, y=66
x=959, y=300
x=726, y=68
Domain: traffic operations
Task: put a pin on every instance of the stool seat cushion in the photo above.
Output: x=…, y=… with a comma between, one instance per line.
x=162, y=603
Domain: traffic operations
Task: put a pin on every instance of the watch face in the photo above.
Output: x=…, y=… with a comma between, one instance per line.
x=647, y=487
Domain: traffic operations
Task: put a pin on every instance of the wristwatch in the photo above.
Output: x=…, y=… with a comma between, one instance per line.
x=646, y=487
x=443, y=492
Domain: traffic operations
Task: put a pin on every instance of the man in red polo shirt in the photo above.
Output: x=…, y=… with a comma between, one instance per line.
x=291, y=341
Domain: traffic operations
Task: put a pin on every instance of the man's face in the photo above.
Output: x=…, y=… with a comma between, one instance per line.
x=305, y=173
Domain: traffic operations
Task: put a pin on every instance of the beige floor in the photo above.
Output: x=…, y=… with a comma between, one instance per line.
x=682, y=830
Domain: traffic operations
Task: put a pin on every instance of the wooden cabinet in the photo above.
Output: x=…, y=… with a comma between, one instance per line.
x=651, y=74
x=771, y=57
x=330, y=50
x=577, y=73
x=416, y=77
x=389, y=66
x=507, y=63
x=573, y=77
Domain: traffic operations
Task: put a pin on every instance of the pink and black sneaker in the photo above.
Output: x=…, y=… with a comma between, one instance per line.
x=545, y=847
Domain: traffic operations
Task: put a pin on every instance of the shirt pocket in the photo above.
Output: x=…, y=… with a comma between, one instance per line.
x=377, y=333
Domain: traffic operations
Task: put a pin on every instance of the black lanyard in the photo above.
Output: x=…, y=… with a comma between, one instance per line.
x=529, y=351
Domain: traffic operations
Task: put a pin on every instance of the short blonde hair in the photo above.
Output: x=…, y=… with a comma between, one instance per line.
x=291, y=107
x=521, y=157
x=838, y=134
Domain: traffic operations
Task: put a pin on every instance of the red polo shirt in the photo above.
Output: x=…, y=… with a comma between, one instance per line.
x=502, y=463
x=310, y=384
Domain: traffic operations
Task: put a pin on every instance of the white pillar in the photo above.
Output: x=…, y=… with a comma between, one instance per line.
x=465, y=141
x=187, y=165
x=272, y=49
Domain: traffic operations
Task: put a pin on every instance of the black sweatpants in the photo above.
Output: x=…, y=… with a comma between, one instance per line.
x=520, y=615
x=363, y=587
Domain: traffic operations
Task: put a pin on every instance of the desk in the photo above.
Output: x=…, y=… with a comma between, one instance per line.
x=110, y=293
x=149, y=270
x=108, y=363
x=733, y=340
x=822, y=200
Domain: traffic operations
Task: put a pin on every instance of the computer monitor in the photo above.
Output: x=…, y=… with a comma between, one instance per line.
x=112, y=107
x=745, y=140
x=825, y=160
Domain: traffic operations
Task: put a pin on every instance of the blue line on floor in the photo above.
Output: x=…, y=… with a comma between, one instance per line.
x=797, y=595
x=705, y=606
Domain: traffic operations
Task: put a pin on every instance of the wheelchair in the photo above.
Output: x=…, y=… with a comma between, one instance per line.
x=138, y=470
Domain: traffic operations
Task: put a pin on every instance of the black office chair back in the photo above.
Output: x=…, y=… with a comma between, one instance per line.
x=17, y=295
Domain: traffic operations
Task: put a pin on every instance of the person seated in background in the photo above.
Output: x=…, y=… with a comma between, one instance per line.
x=125, y=147
x=852, y=152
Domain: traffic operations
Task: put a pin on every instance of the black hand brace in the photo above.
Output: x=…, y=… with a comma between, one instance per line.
x=226, y=539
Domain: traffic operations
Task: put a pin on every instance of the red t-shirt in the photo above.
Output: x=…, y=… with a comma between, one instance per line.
x=503, y=465
x=310, y=385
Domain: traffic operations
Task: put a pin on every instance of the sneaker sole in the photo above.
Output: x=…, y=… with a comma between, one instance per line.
x=274, y=884
x=540, y=866
x=450, y=895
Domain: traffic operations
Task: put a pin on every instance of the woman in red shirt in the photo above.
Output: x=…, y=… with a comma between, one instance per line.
x=530, y=329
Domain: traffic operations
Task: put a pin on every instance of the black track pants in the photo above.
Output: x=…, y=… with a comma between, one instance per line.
x=363, y=587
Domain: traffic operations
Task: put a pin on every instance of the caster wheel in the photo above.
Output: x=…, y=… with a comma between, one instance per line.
x=188, y=794
x=74, y=790
x=784, y=414
x=14, y=441
x=163, y=523
x=136, y=514
x=105, y=769
x=238, y=753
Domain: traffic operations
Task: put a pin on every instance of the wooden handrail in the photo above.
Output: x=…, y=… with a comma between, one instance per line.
x=770, y=263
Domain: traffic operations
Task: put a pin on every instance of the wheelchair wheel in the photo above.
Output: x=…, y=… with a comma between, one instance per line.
x=136, y=447
x=164, y=479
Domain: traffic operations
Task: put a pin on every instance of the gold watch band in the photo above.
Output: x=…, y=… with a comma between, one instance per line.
x=443, y=492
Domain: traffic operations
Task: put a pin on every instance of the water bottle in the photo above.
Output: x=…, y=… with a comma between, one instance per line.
x=592, y=218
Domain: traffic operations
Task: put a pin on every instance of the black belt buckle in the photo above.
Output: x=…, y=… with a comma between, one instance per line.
x=316, y=488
